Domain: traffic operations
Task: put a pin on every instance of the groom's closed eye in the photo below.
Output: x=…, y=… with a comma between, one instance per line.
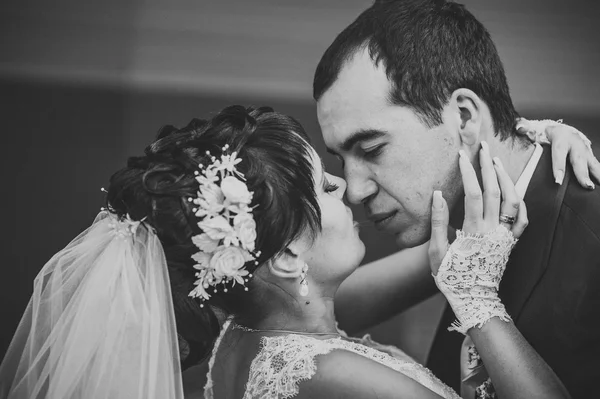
x=362, y=140
x=373, y=151
x=362, y=136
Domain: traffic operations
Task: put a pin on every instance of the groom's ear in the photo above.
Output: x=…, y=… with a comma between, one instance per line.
x=287, y=265
x=467, y=109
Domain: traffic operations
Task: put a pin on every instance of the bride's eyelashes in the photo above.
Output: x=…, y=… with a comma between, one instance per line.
x=331, y=187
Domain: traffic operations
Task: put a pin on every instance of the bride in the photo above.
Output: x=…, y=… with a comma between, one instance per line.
x=230, y=230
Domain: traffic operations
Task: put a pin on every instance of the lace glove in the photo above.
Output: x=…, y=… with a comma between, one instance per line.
x=470, y=275
x=537, y=130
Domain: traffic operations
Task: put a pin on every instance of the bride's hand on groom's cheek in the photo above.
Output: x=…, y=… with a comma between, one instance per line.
x=498, y=204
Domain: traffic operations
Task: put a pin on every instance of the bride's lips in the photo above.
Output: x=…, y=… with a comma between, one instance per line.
x=382, y=219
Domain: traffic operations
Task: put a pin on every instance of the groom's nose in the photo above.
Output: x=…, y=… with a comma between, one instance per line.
x=360, y=187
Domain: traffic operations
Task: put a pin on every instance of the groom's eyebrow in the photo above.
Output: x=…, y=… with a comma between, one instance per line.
x=357, y=137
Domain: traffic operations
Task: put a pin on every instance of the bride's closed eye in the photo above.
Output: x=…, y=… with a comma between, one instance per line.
x=331, y=187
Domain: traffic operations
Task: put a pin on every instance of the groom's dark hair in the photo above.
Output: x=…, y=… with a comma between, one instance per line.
x=429, y=48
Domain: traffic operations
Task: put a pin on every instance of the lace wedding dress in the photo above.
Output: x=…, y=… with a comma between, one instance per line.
x=468, y=276
x=284, y=361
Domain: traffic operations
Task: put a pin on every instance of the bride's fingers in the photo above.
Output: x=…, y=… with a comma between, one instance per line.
x=579, y=162
x=473, y=196
x=510, y=199
x=559, y=151
x=491, y=190
x=594, y=165
x=438, y=244
x=519, y=226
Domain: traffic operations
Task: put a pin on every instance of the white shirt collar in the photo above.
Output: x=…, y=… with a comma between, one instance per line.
x=527, y=174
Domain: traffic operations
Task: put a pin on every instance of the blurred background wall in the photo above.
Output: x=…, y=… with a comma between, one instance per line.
x=85, y=84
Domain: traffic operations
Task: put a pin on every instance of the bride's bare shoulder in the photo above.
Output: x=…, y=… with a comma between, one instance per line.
x=344, y=374
x=194, y=379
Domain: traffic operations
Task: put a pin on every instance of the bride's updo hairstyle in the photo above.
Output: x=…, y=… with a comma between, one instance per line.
x=276, y=163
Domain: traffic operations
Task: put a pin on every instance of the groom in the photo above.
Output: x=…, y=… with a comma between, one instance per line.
x=398, y=93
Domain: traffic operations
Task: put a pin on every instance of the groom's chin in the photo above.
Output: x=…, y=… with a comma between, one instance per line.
x=413, y=236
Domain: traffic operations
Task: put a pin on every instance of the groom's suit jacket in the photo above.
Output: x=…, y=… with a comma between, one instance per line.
x=551, y=287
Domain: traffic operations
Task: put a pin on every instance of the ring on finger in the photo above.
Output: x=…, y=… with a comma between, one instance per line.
x=504, y=218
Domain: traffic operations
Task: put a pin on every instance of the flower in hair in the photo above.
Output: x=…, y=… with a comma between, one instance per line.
x=210, y=199
x=228, y=237
x=123, y=226
x=236, y=190
x=245, y=228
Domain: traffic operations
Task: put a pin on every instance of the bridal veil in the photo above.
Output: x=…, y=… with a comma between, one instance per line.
x=100, y=322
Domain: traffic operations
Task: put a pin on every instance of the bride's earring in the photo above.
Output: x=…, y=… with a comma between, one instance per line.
x=303, y=282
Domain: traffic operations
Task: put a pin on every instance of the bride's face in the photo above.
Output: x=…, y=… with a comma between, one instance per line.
x=337, y=249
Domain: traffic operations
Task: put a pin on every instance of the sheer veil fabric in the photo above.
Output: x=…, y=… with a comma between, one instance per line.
x=100, y=322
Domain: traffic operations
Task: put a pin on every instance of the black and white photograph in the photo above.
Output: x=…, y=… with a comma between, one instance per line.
x=300, y=199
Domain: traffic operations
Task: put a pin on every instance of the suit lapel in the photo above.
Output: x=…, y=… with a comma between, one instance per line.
x=529, y=259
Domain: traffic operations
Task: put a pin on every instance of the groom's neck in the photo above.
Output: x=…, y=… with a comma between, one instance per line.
x=514, y=155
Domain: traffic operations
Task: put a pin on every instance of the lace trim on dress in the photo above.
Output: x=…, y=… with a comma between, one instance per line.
x=208, y=388
x=284, y=361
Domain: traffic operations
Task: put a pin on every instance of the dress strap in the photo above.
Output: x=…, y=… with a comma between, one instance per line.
x=282, y=363
x=208, y=388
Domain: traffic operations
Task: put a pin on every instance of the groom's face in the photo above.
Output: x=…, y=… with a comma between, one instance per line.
x=392, y=160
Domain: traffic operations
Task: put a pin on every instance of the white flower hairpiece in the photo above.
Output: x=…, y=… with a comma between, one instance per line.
x=229, y=230
x=125, y=226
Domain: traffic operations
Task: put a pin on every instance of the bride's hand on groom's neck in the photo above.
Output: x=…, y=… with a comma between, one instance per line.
x=484, y=209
